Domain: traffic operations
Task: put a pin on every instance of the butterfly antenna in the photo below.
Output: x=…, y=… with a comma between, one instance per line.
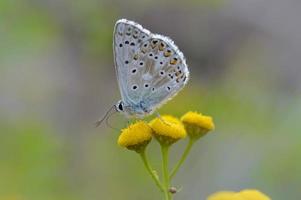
x=107, y=120
x=108, y=114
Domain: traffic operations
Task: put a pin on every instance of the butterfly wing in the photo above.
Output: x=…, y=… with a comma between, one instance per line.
x=128, y=38
x=150, y=68
x=169, y=71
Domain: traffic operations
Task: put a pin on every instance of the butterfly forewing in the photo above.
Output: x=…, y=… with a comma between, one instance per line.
x=150, y=68
x=128, y=37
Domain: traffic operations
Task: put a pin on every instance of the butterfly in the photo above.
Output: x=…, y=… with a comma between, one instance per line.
x=150, y=69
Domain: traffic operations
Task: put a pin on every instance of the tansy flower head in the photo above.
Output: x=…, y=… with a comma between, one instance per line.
x=225, y=195
x=242, y=195
x=253, y=195
x=167, y=129
x=136, y=136
x=196, y=124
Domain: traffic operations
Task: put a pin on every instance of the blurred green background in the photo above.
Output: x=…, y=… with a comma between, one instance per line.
x=57, y=77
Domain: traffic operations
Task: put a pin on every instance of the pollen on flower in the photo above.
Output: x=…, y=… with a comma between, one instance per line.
x=168, y=129
x=198, y=119
x=136, y=136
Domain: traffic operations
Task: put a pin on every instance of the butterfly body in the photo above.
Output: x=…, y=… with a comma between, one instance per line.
x=150, y=69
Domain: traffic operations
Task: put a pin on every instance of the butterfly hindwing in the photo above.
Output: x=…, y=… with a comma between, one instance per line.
x=170, y=72
x=150, y=68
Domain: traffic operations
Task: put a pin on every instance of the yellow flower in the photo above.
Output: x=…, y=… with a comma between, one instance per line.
x=167, y=129
x=196, y=124
x=224, y=195
x=242, y=195
x=253, y=195
x=136, y=136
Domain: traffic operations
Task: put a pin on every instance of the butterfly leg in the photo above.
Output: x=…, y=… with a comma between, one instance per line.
x=161, y=119
x=132, y=120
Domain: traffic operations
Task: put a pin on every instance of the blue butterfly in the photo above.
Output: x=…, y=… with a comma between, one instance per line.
x=150, y=69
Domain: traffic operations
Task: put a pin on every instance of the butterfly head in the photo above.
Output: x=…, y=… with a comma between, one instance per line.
x=132, y=110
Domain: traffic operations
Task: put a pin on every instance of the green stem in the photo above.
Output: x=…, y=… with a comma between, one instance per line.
x=184, y=155
x=151, y=171
x=165, y=151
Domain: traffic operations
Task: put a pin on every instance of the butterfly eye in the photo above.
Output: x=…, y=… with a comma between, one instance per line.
x=120, y=106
